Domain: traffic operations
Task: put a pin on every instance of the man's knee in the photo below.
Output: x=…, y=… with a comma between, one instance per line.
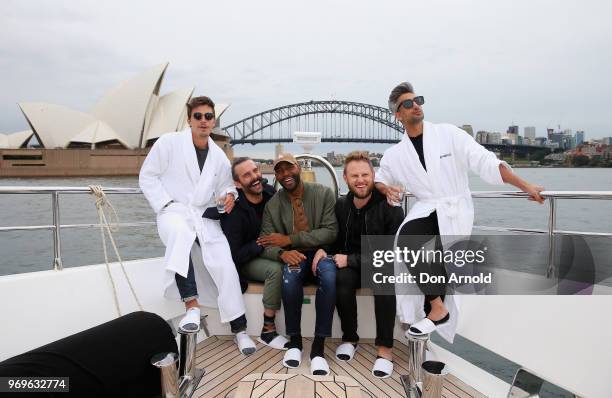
x=347, y=279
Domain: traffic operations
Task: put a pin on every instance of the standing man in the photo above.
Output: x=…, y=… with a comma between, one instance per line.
x=297, y=221
x=432, y=162
x=183, y=176
x=242, y=227
x=363, y=211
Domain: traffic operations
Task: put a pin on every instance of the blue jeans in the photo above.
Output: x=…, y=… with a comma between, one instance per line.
x=188, y=290
x=187, y=286
x=293, y=295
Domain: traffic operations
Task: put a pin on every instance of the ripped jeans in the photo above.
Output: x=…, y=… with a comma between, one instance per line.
x=293, y=295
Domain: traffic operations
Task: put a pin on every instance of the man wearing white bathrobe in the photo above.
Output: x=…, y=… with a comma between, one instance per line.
x=432, y=162
x=183, y=177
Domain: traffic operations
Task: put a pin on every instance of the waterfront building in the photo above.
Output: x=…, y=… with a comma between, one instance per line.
x=579, y=137
x=278, y=149
x=468, y=129
x=481, y=137
x=606, y=140
x=494, y=138
x=529, y=132
x=540, y=141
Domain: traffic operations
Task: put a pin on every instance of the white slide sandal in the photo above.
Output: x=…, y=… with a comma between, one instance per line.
x=346, y=351
x=292, y=358
x=382, y=368
x=319, y=366
x=422, y=327
x=245, y=345
x=278, y=343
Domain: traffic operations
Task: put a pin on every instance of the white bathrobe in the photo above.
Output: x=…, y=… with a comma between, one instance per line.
x=449, y=154
x=171, y=172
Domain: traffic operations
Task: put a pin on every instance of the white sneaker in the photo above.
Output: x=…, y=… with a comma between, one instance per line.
x=191, y=321
x=245, y=345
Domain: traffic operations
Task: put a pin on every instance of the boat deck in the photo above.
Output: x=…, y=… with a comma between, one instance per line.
x=225, y=367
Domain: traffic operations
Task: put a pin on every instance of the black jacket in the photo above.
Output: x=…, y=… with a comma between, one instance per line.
x=380, y=219
x=241, y=228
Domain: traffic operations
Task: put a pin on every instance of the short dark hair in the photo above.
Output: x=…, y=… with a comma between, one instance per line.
x=355, y=156
x=397, y=92
x=199, y=101
x=235, y=163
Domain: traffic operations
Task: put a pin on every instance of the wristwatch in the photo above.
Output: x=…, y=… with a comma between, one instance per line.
x=280, y=253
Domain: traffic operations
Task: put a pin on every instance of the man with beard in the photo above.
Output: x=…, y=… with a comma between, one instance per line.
x=363, y=211
x=242, y=227
x=297, y=221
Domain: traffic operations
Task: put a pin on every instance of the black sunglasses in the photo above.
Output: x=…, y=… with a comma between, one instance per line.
x=409, y=103
x=207, y=116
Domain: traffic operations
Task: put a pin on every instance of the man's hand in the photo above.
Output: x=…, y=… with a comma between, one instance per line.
x=274, y=239
x=534, y=192
x=393, y=193
x=229, y=202
x=292, y=257
x=341, y=260
x=317, y=257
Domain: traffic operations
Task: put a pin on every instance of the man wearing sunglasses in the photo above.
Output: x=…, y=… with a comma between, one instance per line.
x=184, y=177
x=432, y=162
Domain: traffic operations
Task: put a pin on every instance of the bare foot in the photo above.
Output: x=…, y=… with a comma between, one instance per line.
x=438, y=310
x=385, y=352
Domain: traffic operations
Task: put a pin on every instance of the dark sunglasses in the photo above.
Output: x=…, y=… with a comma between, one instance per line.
x=409, y=103
x=207, y=116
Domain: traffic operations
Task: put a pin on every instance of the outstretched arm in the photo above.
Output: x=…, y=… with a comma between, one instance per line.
x=532, y=190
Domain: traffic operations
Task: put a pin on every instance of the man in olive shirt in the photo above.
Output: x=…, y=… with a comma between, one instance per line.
x=297, y=221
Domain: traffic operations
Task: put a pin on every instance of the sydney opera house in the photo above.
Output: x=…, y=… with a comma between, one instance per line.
x=112, y=139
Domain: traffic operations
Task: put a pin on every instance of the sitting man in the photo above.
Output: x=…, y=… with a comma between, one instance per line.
x=242, y=227
x=363, y=211
x=297, y=221
x=182, y=177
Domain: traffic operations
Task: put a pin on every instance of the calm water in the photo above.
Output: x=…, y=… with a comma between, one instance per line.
x=25, y=251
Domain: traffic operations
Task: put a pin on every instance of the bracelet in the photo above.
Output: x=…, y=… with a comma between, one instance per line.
x=168, y=204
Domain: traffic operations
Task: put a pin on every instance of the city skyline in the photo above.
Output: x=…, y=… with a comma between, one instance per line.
x=79, y=49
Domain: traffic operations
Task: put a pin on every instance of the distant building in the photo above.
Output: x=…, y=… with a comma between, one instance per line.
x=278, y=149
x=579, y=137
x=513, y=134
x=549, y=133
x=540, y=141
x=529, y=132
x=468, y=129
x=494, y=138
x=481, y=137
x=606, y=140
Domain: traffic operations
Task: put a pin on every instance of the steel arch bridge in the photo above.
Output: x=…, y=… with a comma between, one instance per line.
x=338, y=121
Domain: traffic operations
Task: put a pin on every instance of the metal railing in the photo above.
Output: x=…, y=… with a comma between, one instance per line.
x=551, y=196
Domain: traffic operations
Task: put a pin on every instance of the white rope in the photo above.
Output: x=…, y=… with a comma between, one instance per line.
x=110, y=225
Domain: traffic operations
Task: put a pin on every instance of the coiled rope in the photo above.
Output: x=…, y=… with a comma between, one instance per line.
x=110, y=225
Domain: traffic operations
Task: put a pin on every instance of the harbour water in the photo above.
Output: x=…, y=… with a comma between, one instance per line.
x=27, y=251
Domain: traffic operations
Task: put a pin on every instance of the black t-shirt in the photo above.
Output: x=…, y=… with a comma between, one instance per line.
x=418, y=145
x=259, y=208
x=201, y=154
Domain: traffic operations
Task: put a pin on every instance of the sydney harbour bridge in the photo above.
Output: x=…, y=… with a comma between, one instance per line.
x=337, y=121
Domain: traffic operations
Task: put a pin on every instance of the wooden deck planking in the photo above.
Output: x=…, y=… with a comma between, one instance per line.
x=225, y=367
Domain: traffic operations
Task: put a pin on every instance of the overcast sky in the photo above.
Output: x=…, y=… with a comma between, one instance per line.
x=479, y=62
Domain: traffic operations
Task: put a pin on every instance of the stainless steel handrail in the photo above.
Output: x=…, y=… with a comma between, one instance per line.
x=55, y=192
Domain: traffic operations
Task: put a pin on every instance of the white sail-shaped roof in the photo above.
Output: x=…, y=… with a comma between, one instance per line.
x=125, y=108
x=16, y=140
x=170, y=114
x=97, y=132
x=55, y=125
